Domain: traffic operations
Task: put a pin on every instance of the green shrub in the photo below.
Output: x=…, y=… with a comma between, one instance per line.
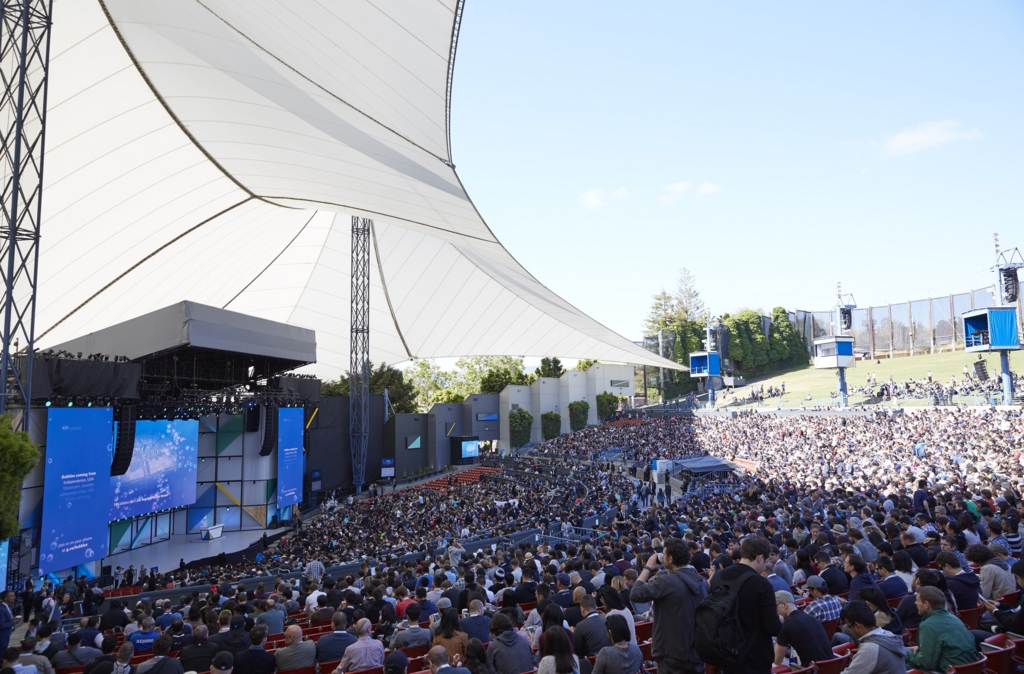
x=519, y=424
x=607, y=403
x=18, y=456
x=579, y=410
x=550, y=425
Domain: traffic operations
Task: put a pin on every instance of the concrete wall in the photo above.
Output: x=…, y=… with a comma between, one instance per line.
x=402, y=430
x=572, y=386
x=600, y=377
x=543, y=398
x=485, y=404
x=444, y=420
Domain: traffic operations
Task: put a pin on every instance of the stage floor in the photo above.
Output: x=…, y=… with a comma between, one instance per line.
x=165, y=555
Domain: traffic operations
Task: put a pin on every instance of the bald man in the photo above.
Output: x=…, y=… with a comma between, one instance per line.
x=365, y=653
x=437, y=659
x=296, y=652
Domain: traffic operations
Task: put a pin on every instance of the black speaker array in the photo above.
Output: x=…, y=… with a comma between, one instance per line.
x=252, y=419
x=124, y=444
x=269, y=432
x=846, y=318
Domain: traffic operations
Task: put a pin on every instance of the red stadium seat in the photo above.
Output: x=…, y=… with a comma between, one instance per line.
x=375, y=670
x=1010, y=598
x=645, y=650
x=843, y=649
x=306, y=670
x=830, y=627
x=969, y=668
x=999, y=651
x=415, y=651
x=971, y=617
x=894, y=602
x=833, y=666
x=644, y=630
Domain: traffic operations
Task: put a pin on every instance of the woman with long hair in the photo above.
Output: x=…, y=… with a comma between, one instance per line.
x=476, y=658
x=510, y=606
x=885, y=617
x=904, y=566
x=804, y=570
x=612, y=602
x=451, y=636
x=622, y=657
x=387, y=623
x=551, y=617
x=556, y=655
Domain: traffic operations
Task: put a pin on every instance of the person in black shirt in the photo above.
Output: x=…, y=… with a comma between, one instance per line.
x=114, y=617
x=198, y=656
x=699, y=559
x=833, y=577
x=759, y=617
x=801, y=632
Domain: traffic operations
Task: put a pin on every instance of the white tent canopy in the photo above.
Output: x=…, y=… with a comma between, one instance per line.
x=215, y=151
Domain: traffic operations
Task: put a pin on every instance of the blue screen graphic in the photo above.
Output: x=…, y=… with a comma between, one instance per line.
x=5, y=548
x=290, y=461
x=162, y=473
x=470, y=448
x=79, y=447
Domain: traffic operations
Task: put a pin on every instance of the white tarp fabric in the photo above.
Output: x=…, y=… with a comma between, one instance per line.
x=215, y=151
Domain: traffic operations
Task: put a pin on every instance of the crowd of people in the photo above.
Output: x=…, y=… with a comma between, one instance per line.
x=837, y=515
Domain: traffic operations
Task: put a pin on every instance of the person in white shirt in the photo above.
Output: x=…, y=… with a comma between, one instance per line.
x=314, y=592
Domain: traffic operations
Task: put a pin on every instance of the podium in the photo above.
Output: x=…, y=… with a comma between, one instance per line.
x=211, y=533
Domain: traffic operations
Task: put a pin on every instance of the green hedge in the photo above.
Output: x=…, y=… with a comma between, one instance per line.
x=550, y=425
x=579, y=410
x=519, y=423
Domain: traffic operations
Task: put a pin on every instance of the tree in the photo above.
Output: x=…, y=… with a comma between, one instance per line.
x=401, y=393
x=470, y=372
x=520, y=422
x=584, y=364
x=687, y=298
x=607, y=403
x=579, y=410
x=748, y=345
x=787, y=346
x=497, y=378
x=18, y=456
x=664, y=314
x=550, y=367
x=429, y=380
x=446, y=396
x=550, y=425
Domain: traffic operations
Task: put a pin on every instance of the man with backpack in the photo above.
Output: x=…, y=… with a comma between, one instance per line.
x=676, y=592
x=735, y=624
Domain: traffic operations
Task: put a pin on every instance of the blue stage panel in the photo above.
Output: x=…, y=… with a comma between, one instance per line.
x=290, y=458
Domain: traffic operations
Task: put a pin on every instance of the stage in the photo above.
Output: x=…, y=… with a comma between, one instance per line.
x=166, y=554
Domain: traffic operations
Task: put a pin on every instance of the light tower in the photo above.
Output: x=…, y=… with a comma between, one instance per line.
x=707, y=364
x=836, y=352
x=995, y=328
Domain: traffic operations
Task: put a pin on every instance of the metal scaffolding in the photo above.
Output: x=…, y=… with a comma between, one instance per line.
x=359, y=350
x=24, y=68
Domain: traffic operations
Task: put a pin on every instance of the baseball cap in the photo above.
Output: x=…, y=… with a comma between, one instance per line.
x=817, y=582
x=396, y=662
x=783, y=597
x=443, y=603
x=564, y=579
x=499, y=573
x=222, y=661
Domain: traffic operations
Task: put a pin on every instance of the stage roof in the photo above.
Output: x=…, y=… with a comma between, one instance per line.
x=216, y=150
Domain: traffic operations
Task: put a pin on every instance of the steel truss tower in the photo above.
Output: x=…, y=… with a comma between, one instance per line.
x=359, y=350
x=24, y=68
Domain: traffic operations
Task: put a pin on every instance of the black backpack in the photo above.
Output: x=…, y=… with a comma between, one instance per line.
x=718, y=634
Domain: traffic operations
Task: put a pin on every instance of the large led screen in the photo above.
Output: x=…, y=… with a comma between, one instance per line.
x=162, y=473
x=470, y=449
x=290, y=461
x=79, y=446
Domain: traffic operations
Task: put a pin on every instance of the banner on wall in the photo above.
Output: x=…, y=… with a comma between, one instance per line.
x=290, y=458
x=79, y=446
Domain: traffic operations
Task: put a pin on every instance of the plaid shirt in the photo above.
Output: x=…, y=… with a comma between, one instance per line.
x=315, y=570
x=826, y=608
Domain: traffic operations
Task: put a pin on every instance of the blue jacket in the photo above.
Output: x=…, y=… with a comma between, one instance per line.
x=331, y=647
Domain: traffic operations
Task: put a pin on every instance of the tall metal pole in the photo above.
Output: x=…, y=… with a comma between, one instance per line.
x=359, y=351
x=24, y=71
x=843, y=400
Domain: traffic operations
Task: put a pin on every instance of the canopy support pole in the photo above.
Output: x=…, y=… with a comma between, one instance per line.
x=359, y=351
x=24, y=68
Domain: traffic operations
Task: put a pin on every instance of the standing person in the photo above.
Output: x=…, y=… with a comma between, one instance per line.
x=675, y=592
x=757, y=616
x=7, y=621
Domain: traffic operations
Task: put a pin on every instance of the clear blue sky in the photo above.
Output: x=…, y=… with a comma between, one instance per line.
x=771, y=149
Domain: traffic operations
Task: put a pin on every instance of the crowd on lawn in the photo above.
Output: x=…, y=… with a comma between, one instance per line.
x=893, y=534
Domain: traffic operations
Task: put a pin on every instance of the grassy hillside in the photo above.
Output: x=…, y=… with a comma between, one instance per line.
x=804, y=381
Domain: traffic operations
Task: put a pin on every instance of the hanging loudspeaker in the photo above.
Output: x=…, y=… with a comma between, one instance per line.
x=124, y=444
x=846, y=318
x=252, y=419
x=269, y=432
